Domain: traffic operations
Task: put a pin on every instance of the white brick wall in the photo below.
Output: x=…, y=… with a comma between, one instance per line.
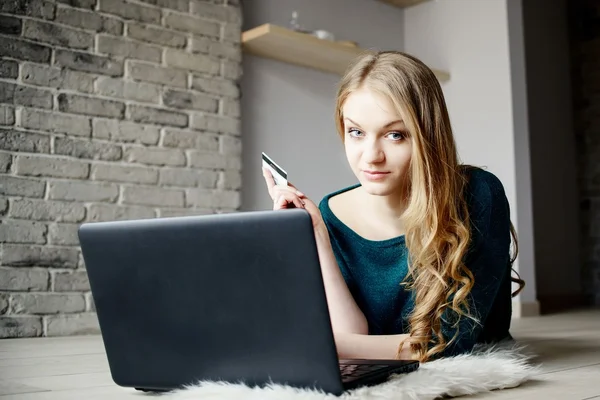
x=109, y=110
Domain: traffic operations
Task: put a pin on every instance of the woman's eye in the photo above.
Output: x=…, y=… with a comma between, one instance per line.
x=397, y=135
x=353, y=132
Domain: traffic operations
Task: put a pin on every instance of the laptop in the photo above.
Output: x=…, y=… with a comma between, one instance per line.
x=236, y=297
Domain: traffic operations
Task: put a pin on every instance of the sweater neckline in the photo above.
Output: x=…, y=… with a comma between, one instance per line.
x=346, y=230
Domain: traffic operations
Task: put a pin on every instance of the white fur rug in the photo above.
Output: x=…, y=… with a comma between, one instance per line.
x=482, y=370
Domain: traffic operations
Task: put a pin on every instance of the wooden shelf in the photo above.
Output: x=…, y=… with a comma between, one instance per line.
x=403, y=3
x=286, y=45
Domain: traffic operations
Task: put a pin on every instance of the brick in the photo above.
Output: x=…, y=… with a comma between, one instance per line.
x=216, y=12
x=4, y=303
x=142, y=92
x=20, y=326
x=47, y=303
x=108, y=212
x=76, y=104
x=87, y=149
x=22, y=187
x=184, y=177
x=188, y=100
x=24, y=141
x=23, y=50
x=230, y=145
x=130, y=11
x=156, y=156
x=5, y=162
x=83, y=191
x=9, y=69
x=57, y=35
x=55, y=122
x=20, y=231
x=25, y=96
x=189, y=24
x=58, y=78
x=230, y=180
x=24, y=279
x=89, y=302
x=87, y=62
x=230, y=51
x=201, y=44
x=190, y=140
x=193, y=62
x=124, y=131
x=232, y=32
x=179, y=5
x=202, y=198
x=41, y=256
x=121, y=173
x=157, y=116
x=231, y=70
x=230, y=107
x=89, y=20
x=43, y=210
x=31, y=8
x=218, y=86
x=71, y=281
x=213, y=160
x=87, y=4
x=183, y=212
x=63, y=234
x=7, y=115
x=215, y=123
x=10, y=25
x=155, y=35
x=153, y=196
x=128, y=48
x=155, y=74
x=58, y=167
x=72, y=324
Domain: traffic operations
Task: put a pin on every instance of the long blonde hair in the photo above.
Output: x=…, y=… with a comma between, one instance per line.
x=436, y=219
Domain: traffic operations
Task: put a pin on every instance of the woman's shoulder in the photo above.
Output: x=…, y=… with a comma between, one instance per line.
x=484, y=185
x=486, y=196
x=337, y=196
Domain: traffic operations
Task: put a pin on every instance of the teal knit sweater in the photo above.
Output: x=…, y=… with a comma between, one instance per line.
x=373, y=270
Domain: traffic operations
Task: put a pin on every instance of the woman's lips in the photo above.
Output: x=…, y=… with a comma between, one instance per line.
x=375, y=175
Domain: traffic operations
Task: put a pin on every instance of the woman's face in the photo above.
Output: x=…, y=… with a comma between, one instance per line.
x=377, y=143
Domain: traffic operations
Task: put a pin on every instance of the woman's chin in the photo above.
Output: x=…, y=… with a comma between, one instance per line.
x=378, y=188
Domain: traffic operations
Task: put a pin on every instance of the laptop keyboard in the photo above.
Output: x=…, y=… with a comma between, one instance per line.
x=354, y=371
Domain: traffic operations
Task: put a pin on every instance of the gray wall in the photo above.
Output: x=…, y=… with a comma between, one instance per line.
x=288, y=110
x=109, y=110
x=524, y=225
x=553, y=165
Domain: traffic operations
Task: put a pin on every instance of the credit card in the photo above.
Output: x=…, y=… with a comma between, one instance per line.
x=278, y=173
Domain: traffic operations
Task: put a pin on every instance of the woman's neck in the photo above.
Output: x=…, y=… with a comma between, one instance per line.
x=387, y=210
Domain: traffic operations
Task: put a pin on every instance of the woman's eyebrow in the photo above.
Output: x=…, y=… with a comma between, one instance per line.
x=386, y=126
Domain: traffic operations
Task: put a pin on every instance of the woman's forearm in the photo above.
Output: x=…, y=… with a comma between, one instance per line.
x=372, y=347
x=344, y=313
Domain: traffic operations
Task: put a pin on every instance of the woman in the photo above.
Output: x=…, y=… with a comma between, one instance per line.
x=416, y=256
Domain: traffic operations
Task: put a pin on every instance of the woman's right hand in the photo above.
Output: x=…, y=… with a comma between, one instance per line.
x=289, y=197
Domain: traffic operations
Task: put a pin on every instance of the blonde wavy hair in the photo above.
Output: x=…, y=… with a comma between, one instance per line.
x=436, y=219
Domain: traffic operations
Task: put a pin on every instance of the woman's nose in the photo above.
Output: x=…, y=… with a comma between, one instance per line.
x=373, y=153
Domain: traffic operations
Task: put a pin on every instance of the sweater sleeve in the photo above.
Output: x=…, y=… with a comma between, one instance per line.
x=488, y=259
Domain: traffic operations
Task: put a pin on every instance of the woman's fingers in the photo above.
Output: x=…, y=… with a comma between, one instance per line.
x=270, y=181
x=284, y=198
x=272, y=186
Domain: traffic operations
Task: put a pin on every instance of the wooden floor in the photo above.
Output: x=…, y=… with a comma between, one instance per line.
x=75, y=368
